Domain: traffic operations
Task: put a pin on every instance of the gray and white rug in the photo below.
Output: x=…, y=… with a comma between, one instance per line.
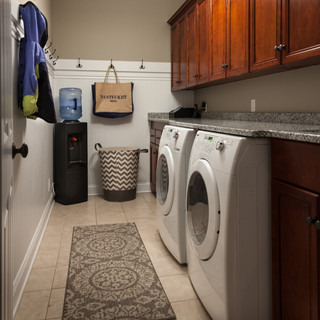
x=111, y=277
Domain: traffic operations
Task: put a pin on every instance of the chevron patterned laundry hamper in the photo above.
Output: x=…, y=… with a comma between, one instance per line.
x=119, y=171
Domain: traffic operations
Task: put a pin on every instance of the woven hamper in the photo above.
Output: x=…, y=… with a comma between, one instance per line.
x=119, y=171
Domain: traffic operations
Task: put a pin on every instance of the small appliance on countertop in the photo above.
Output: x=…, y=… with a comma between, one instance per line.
x=182, y=112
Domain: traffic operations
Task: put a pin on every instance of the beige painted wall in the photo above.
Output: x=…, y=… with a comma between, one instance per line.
x=290, y=91
x=45, y=8
x=125, y=30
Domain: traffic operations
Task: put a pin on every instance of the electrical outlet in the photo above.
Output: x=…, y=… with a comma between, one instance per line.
x=204, y=106
x=49, y=185
x=253, y=105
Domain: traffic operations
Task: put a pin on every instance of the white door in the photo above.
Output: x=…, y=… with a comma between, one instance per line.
x=165, y=180
x=203, y=209
x=6, y=159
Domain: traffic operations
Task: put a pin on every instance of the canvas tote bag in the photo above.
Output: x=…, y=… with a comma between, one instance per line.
x=112, y=100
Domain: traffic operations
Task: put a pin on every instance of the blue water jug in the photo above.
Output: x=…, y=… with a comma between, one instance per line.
x=70, y=103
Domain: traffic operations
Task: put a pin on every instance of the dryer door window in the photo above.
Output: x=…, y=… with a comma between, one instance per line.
x=165, y=180
x=203, y=209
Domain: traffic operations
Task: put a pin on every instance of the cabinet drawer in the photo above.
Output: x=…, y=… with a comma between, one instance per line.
x=152, y=135
x=297, y=163
x=158, y=136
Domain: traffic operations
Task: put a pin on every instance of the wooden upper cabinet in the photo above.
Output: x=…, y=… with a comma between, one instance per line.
x=175, y=57
x=217, y=39
x=183, y=52
x=192, y=73
x=300, y=29
x=179, y=55
x=265, y=33
x=203, y=43
x=197, y=18
x=228, y=38
x=237, y=37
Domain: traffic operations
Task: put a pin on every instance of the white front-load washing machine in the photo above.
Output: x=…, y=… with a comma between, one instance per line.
x=172, y=169
x=228, y=225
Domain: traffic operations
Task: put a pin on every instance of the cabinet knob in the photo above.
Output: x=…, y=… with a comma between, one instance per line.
x=224, y=66
x=195, y=76
x=313, y=221
x=310, y=221
x=280, y=47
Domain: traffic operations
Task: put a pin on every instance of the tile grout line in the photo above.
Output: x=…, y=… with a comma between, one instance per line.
x=55, y=270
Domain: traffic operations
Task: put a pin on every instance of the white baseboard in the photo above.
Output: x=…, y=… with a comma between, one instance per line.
x=20, y=281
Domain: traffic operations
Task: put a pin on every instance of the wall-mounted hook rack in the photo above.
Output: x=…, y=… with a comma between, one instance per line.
x=79, y=65
x=142, y=66
x=51, y=55
x=55, y=61
x=46, y=49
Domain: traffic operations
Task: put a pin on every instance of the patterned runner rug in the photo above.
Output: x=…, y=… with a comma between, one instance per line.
x=111, y=277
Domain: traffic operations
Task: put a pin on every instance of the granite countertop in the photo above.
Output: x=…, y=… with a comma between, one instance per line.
x=290, y=126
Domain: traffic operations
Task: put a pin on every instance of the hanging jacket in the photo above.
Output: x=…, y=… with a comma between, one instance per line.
x=34, y=90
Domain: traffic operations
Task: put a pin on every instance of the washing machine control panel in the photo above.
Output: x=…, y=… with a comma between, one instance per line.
x=172, y=134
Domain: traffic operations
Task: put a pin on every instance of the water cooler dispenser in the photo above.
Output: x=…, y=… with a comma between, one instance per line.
x=70, y=162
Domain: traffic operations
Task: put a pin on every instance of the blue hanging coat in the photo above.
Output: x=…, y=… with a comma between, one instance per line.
x=35, y=95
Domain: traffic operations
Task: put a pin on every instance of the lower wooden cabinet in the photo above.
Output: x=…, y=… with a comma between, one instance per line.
x=295, y=252
x=155, y=136
x=153, y=165
x=295, y=230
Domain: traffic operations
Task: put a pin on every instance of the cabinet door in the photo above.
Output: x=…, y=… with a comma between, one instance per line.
x=294, y=253
x=265, y=33
x=237, y=37
x=175, y=57
x=153, y=166
x=217, y=39
x=300, y=29
x=192, y=73
x=202, y=30
x=183, y=52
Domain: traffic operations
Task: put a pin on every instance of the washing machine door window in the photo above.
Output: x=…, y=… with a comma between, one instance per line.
x=165, y=180
x=203, y=209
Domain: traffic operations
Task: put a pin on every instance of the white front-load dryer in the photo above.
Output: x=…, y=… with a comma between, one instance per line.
x=172, y=169
x=228, y=225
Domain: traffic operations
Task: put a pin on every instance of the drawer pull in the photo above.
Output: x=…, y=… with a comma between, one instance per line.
x=313, y=221
x=310, y=221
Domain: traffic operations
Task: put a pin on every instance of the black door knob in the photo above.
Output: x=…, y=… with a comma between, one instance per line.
x=23, y=150
x=310, y=221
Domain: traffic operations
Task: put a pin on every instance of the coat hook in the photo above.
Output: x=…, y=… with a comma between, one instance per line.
x=51, y=55
x=142, y=66
x=111, y=65
x=79, y=65
x=55, y=61
x=46, y=49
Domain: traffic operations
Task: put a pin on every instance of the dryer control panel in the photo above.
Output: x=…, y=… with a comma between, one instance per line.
x=211, y=143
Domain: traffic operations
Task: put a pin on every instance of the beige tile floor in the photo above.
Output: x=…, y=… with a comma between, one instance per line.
x=44, y=293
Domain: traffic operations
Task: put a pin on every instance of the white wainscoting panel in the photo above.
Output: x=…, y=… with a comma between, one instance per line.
x=151, y=93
